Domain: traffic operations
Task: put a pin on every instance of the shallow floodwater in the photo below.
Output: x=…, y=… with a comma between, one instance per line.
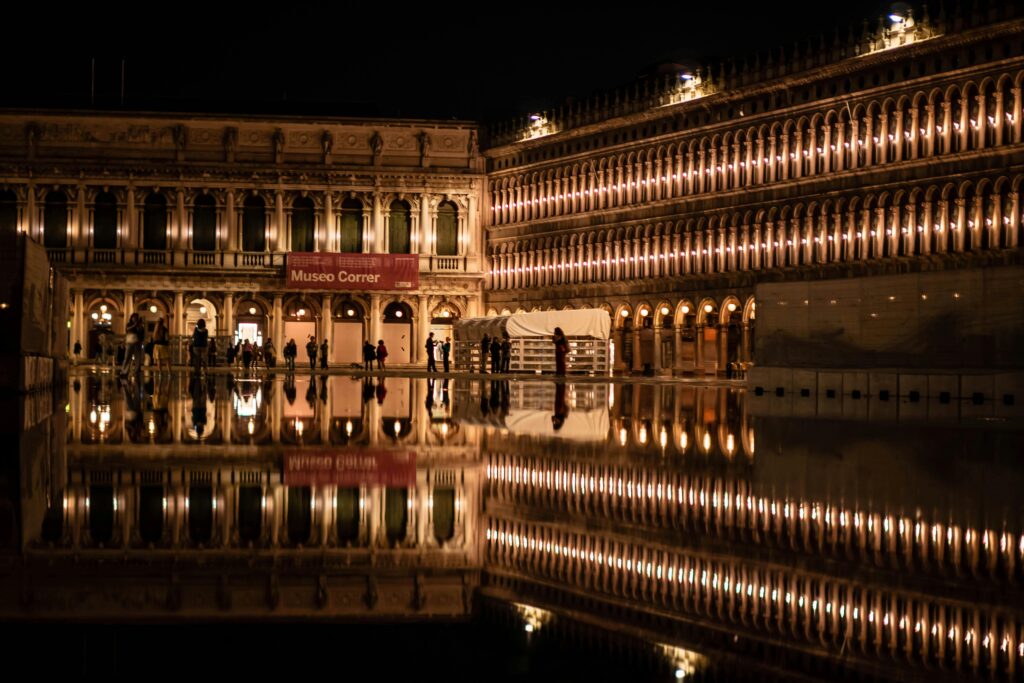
x=571, y=529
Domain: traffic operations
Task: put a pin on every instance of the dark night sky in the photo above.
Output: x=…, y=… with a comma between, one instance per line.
x=408, y=62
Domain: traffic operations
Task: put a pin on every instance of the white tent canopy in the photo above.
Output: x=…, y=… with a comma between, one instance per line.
x=588, y=322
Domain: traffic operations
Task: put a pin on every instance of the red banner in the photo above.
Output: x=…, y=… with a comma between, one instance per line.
x=323, y=270
x=348, y=467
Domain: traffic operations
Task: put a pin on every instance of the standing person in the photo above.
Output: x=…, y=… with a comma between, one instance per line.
x=431, y=361
x=485, y=348
x=311, y=352
x=77, y=351
x=211, y=353
x=290, y=351
x=270, y=354
x=229, y=355
x=238, y=351
x=160, y=355
x=247, y=355
x=134, y=333
x=323, y=355
x=257, y=355
x=561, y=350
x=446, y=352
x=102, y=351
x=369, y=355
x=200, y=342
x=495, y=355
x=506, y=352
x=382, y=354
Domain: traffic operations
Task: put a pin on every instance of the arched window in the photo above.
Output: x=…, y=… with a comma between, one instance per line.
x=254, y=223
x=55, y=220
x=154, y=222
x=398, y=228
x=302, y=225
x=8, y=213
x=351, y=227
x=204, y=223
x=447, y=229
x=104, y=221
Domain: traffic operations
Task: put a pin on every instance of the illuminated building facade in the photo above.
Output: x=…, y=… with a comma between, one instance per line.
x=670, y=203
x=190, y=218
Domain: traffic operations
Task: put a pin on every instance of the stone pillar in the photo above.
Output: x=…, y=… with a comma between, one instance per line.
x=230, y=216
x=277, y=243
x=182, y=241
x=277, y=327
x=426, y=231
x=698, y=355
x=637, y=364
x=422, y=328
x=745, y=343
x=328, y=240
x=131, y=239
x=723, y=349
x=677, y=349
x=78, y=323
x=375, y=323
x=378, y=225
x=129, y=308
x=656, y=355
x=178, y=326
x=228, y=316
x=327, y=324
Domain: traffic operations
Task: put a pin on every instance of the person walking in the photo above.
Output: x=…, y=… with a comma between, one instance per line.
x=506, y=352
x=160, y=355
x=200, y=341
x=561, y=350
x=247, y=355
x=134, y=333
x=211, y=353
x=311, y=352
x=270, y=354
x=446, y=352
x=290, y=351
x=369, y=355
x=77, y=351
x=323, y=355
x=485, y=348
x=495, y=355
x=230, y=355
x=382, y=354
x=430, y=345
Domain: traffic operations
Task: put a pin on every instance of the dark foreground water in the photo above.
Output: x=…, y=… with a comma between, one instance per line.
x=510, y=530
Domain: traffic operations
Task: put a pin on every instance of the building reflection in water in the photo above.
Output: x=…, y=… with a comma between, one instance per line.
x=891, y=549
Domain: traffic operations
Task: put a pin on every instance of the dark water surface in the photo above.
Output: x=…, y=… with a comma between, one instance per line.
x=510, y=530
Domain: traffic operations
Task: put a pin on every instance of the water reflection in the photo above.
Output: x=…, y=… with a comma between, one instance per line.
x=889, y=549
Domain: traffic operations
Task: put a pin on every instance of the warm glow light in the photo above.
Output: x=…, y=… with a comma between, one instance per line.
x=152, y=309
x=731, y=307
x=664, y=310
x=708, y=308
x=95, y=316
x=398, y=314
x=301, y=312
x=202, y=309
x=625, y=314
x=252, y=310
x=685, y=309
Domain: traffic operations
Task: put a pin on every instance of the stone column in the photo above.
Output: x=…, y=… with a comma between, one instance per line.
x=129, y=308
x=228, y=316
x=328, y=228
x=656, y=355
x=182, y=241
x=229, y=218
x=327, y=324
x=277, y=243
x=698, y=356
x=723, y=349
x=637, y=364
x=378, y=225
x=426, y=231
x=277, y=326
x=375, y=321
x=677, y=348
x=422, y=328
x=78, y=323
x=131, y=239
x=178, y=327
x=745, y=343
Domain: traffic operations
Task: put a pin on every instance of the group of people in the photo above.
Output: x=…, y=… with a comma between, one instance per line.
x=250, y=354
x=446, y=353
x=373, y=353
x=136, y=347
x=499, y=351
